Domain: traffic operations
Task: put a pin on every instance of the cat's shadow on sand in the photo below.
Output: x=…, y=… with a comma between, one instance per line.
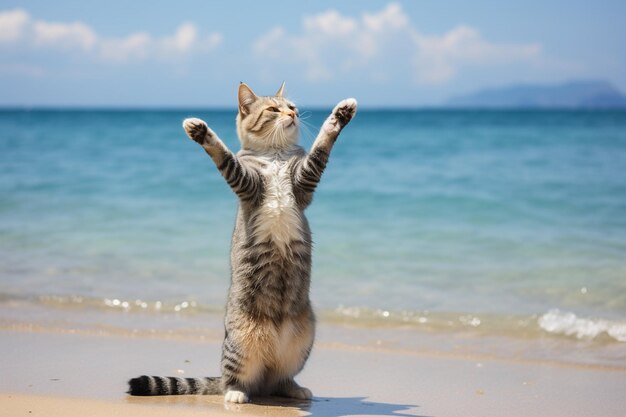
x=318, y=407
x=343, y=406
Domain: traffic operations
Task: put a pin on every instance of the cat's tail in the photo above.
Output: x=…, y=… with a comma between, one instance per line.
x=169, y=385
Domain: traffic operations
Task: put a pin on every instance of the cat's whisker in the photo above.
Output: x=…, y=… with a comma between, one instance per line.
x=306, y=114
x=308, y=133
x=309, y=124
x=308, y=128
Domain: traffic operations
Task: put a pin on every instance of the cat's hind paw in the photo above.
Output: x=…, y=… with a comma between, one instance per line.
x=291, y=389
x=300, y=393
x=234, y=396
x=197, y=130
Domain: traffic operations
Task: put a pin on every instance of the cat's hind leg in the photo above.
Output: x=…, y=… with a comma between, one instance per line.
x=242, y=371
x=290, y=389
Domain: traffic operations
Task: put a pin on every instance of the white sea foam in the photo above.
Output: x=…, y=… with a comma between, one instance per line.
x=567, y=323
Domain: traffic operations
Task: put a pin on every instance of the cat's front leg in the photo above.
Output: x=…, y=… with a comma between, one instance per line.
x=243, y=181
x=341, y=115
x=199, y=132
x=309, y=171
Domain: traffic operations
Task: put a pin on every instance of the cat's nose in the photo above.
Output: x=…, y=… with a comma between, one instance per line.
x=290, y=113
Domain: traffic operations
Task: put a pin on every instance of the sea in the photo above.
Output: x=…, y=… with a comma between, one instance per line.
x=471, y=225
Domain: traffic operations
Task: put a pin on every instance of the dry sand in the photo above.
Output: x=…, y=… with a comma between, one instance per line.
x=56, y=374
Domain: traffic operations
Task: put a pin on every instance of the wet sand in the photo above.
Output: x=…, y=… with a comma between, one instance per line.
x=53, y=373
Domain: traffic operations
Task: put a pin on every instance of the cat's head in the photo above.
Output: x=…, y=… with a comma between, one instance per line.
x=266, y=123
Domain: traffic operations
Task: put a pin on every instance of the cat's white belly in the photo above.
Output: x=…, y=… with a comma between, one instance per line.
x=291, y=347
x=281, y=349
x=279, y=219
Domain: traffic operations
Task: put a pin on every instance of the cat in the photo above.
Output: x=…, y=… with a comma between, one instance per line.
x=269, y=323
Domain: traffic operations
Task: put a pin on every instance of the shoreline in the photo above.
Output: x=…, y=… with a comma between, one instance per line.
x=359, y=335
x=377, y=346
x=74, y=371
x=565, y=324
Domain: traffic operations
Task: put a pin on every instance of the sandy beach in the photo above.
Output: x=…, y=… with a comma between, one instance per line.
x=52, y=373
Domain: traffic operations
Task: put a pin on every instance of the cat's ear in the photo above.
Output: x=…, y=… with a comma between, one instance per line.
x=246, y=98
x=280, y=91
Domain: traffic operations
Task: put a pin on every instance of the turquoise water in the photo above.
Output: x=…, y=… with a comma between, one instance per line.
x=421, y=216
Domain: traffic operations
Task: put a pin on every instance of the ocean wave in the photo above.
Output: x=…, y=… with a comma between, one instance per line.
x=555, y=322
x=126, y=305
x=560, y=322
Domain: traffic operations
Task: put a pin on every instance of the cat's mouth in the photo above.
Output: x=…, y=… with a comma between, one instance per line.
x=288, y=123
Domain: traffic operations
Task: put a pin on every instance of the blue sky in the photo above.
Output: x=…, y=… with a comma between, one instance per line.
x=385, y=53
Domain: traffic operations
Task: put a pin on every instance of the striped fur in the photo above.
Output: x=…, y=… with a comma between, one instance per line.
x=159, y=385
x=269, y=322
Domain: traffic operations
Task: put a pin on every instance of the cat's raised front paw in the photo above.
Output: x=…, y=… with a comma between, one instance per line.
x=341, y=115
x=197, y=130
x=345, y=111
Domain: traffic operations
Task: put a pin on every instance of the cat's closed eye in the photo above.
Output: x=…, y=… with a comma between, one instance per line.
x=273, y=109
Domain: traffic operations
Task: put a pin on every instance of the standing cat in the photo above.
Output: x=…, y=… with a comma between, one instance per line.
x=269, y=321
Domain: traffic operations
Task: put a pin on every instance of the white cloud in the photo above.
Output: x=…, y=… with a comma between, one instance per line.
x=268, y=44
x=330, y=23
x=391, y=17
x=12, y=24
x=384, y=44
x=312, y=47
x=64, y=35
x=133, y=47
x=19, y=29
x=141, y=45
x=438, y=58
x=182, y=40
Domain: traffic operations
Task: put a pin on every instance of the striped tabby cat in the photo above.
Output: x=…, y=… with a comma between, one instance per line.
x=269, y=321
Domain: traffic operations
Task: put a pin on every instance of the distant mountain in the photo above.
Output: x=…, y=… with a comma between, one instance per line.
x=575, y=94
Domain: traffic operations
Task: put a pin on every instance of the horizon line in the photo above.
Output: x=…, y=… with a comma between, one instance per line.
x=170, y=108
